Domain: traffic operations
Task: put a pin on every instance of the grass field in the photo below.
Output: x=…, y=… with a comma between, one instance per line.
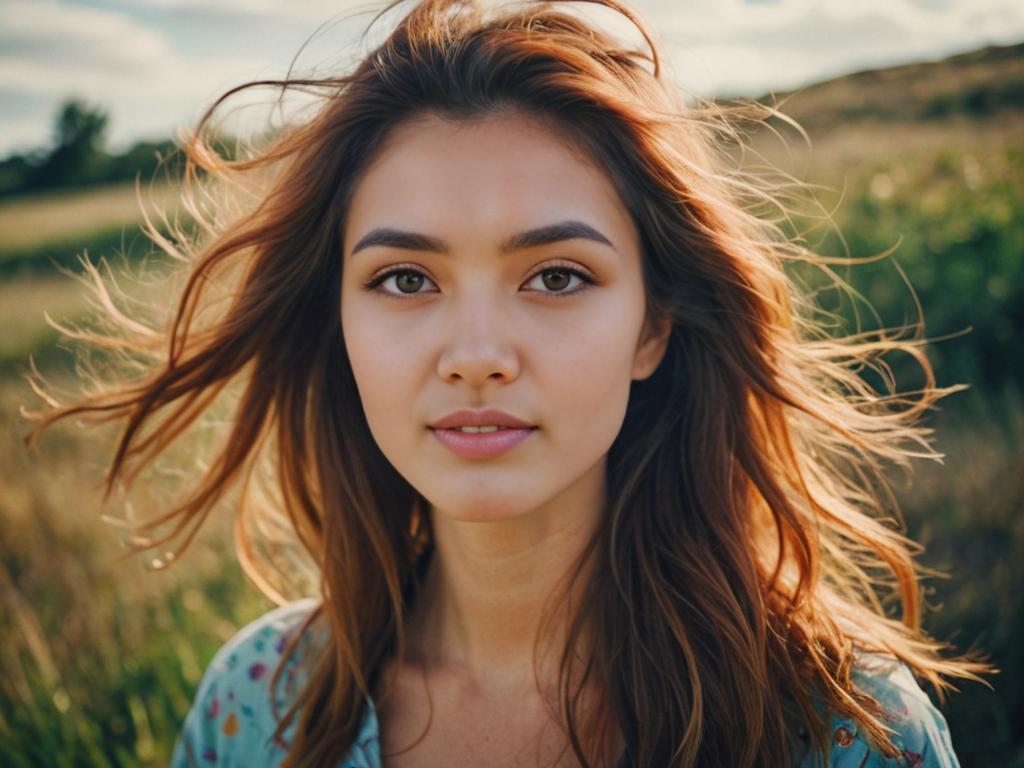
x=29, y=222
x=20, y=303
x=99, y=659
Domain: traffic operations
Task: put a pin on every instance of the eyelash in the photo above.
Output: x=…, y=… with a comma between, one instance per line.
x=376, y=280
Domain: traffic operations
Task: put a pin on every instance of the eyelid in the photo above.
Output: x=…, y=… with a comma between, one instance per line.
x=585, y=275
x=392, y=268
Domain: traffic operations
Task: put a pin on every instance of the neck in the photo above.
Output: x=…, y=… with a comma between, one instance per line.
x=492, y=605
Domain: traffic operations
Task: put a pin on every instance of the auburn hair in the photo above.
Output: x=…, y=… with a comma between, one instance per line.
x=745, y=554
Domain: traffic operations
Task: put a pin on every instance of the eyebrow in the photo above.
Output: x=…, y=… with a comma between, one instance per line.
x=532, y=238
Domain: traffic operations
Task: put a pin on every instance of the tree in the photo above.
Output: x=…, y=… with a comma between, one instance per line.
x=78, y=145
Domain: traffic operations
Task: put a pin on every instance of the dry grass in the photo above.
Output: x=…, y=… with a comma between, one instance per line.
x=33, y=221
x=866, y=144
x=100, y=659
x=23, y=303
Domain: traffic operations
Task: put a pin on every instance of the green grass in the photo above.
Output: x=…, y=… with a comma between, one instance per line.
x=53, y=230
x=967, y=513
x=950, y=206
x=54, y=217
x=100, y=660
x=23, y=304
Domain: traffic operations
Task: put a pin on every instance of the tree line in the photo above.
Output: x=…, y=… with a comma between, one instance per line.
x=77, y=155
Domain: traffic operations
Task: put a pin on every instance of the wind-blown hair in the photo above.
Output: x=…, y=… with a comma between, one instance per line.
x=744, y=553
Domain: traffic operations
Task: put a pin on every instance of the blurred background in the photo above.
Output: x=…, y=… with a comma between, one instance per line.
x=915, y=113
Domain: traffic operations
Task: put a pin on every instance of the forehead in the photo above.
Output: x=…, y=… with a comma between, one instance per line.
x=498, y=172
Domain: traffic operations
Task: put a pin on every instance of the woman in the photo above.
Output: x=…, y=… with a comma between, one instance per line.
x=582, y=481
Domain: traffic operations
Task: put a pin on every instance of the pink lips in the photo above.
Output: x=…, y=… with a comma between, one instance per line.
x=482, y=445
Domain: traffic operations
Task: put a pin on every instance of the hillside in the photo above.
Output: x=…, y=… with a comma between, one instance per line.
x=978, y=84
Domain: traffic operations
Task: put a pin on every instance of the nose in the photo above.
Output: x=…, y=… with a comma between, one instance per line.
x=479, y=343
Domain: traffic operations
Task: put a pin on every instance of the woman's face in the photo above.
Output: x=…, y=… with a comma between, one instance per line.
x=478, y=309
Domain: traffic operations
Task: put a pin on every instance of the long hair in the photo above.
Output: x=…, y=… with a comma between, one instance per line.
x=743, y=550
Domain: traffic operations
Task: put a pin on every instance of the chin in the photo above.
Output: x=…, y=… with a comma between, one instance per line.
x=476, y=509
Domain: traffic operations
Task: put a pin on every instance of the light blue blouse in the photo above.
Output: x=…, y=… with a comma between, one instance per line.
x=231, y=721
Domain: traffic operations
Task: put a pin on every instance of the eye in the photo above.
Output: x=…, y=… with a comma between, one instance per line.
x=555, y=280
x=407, y=282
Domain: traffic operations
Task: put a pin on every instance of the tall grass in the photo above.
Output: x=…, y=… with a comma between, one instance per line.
x=968, y=513
x=99, y=660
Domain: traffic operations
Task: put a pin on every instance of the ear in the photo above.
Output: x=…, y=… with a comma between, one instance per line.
x=651, y=347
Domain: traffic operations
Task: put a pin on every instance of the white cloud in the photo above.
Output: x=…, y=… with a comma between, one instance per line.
x=24, y=134
x=735, y=69
x=731, y=46
x=75, y=34
x=307, y=10
x=156, y=64
x=51, y=51
x=150, y=103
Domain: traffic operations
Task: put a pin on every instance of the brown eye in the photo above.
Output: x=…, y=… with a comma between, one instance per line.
x=559, y=281
x=408, y=282
x=555, y=279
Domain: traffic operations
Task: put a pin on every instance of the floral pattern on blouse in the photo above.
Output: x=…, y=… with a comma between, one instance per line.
x=231, y=722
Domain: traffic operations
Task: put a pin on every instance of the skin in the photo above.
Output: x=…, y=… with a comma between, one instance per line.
x=487, y=329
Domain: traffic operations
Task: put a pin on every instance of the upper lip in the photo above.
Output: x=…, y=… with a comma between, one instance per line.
x=485, y=418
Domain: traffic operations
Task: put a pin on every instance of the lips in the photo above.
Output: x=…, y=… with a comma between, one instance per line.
x=482, y=445
x=488, y=417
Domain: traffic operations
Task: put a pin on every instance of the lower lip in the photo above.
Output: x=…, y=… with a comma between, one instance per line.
x=481, y=445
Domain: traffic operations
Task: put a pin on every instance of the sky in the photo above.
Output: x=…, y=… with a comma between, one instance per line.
x=155, y=65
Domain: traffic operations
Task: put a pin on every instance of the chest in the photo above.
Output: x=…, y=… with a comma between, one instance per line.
x=456, y=728
x=473, y=739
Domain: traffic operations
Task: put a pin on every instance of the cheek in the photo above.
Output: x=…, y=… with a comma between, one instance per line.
x=382, y=366
x=584, y=373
